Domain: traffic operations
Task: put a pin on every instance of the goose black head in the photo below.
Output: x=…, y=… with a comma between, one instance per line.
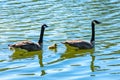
x=44, y=26
x=95, y=21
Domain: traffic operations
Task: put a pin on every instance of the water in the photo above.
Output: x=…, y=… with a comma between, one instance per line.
x=21, y=20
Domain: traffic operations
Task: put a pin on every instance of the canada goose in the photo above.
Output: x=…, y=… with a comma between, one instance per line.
x=83, y=44
x=31, y=46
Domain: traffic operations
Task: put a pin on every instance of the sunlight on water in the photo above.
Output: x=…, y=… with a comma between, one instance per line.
x=67, y=20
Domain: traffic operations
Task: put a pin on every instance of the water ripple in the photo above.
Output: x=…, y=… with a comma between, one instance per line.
x=21, y=20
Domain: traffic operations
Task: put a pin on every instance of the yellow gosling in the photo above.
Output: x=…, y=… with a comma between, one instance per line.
x=54, y=46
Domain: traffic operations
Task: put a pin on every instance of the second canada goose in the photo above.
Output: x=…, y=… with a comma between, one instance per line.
x=31, y=46
x=83, y=44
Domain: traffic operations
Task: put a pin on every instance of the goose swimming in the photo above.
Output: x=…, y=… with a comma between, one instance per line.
x=29, y=45
x=81, y=44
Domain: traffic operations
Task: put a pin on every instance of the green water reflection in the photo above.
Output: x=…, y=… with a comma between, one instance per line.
x=23, y=54
x=73, y=53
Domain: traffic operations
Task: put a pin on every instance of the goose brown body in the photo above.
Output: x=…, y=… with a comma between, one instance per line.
x=29, y=45
x=79, y=44
x=83, y=44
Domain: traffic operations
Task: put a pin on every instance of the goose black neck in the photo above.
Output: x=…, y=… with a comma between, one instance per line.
x=93, y=32
x=41, y=35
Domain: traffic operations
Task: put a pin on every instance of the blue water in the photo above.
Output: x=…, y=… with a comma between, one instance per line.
x=67, y=20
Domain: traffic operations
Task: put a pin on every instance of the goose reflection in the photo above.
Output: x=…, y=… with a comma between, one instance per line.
x=40, y=57
x=73, y=53
x=23, y=54
x=92, y=66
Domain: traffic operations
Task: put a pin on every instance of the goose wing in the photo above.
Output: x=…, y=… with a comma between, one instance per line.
x=78, y=43
x=27, y=45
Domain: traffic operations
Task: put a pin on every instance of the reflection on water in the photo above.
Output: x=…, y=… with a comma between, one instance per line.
x=92, y=66
x=40, y=57
x=22, y=54
x=73, y=53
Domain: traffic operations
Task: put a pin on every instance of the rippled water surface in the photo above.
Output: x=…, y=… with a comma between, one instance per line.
x=67, y=19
